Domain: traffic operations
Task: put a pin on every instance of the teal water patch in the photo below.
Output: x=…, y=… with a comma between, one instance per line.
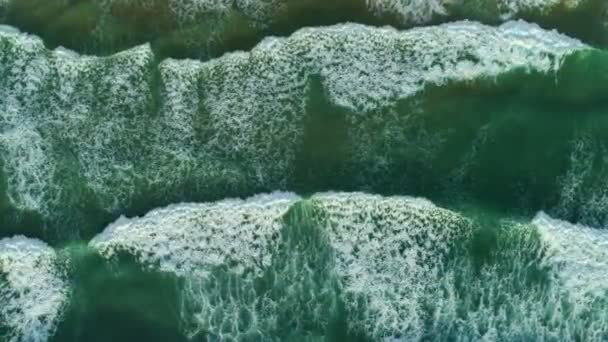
x=117, y=301
x=86, y=139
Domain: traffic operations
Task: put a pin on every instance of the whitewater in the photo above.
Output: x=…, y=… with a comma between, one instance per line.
x=246, y=170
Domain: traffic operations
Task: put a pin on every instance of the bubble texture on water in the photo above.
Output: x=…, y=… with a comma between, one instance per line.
x=33, y=290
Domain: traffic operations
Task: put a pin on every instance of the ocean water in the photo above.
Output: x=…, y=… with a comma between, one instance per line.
x=248, y=170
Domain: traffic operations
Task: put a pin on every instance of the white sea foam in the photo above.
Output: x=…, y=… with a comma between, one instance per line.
x=6, y=29
x=33, y=291
x=233, y=122
x=581, y=193
x=578, y=254
x=387, y=255
x=547, y=282
x=189, y=239
x=409, y=12
x=423, y=11
x=511, y=8
x=516, y=295
x=26, y=163
x=390, y=255
x=189, y=11
x=361, y=68
x=194, y=241
x=394, y=64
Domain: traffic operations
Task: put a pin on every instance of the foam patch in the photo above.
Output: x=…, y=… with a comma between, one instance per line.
x=385, y=254
x=108, y=131
x=189, y=239
x=33, y=290
x=578, y=254
x=390, y=254
x=421, y=11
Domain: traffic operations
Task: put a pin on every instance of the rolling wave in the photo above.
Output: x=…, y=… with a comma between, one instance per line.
x=94, y=137
x=187, y=199
x=208, y=28
x=332, y=266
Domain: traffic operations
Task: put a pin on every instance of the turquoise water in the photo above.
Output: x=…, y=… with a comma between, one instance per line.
x=348, y=171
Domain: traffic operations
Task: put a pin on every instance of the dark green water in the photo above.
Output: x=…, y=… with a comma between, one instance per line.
x=205, y=29
x=121, y=170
